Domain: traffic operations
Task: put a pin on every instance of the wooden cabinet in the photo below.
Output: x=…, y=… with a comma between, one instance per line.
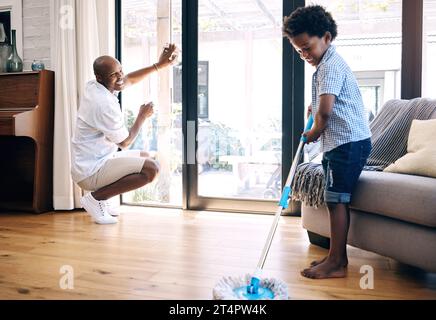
x=26, y=141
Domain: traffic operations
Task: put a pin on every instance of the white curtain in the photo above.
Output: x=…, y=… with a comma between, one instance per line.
x=76, y=44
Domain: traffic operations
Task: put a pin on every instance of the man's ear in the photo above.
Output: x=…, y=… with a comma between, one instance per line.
x=98, y=78
x=328, y=36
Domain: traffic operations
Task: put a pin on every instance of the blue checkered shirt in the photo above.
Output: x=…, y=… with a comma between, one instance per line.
x=348, y=121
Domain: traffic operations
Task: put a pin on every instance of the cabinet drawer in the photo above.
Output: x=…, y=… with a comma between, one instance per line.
x=7, y=127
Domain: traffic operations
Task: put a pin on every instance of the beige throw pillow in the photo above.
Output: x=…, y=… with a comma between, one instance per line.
x=421, y=157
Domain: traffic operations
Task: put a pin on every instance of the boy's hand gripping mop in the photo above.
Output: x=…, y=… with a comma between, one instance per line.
x=230, y=288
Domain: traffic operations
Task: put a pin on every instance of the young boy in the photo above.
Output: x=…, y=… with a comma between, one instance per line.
x=340, y=123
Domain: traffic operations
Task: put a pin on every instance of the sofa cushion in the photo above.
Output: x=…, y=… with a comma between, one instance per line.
x=421, y=157
x=405, y=197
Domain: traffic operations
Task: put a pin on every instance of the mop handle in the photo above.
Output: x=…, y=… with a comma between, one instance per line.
x=285, y=197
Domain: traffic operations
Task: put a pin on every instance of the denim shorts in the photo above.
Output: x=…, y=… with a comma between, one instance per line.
x=342, y=168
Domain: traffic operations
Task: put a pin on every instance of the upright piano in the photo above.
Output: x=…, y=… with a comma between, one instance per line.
x=26, y=141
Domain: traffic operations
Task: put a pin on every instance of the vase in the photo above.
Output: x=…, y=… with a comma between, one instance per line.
x=38, y=65
x=15, y=63
x=5, y=52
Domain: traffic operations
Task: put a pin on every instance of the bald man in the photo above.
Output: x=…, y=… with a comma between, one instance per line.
x=100, y=132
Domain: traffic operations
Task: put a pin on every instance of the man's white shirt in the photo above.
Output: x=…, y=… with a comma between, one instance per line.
x=99, y=129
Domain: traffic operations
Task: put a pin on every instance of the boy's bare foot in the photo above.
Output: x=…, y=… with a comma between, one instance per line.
x=317, y=262
x=326, y=270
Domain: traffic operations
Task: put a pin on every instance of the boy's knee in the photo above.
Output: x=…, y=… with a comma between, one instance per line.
x=334, y=206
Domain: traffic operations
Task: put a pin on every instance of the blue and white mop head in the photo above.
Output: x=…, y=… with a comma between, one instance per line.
x=235, y=288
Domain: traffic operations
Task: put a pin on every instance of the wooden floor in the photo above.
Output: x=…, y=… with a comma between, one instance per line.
x=172, y=254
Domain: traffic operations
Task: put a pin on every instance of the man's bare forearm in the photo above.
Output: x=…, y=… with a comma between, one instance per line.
x=139, y=75
x=166, y=59
x=133, y=134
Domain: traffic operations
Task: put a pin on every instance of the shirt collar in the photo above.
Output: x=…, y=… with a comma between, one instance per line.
x=105, y=90
x=329, y=52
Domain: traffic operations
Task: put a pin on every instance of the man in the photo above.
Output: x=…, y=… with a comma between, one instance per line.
x=100, y=132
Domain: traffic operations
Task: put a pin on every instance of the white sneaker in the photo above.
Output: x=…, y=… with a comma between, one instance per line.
x=97, y=210
x=113, y=210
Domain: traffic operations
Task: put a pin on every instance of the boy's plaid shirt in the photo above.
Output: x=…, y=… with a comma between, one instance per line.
x=349, y=121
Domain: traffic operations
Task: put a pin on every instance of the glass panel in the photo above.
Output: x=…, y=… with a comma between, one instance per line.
x=369, y=39
x=240, y=99
x=147, y=26
x=429, y=50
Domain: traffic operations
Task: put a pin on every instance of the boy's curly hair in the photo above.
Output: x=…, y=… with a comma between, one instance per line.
x=313, y=19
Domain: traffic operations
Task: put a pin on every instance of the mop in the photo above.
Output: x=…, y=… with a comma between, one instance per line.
x=254, y=287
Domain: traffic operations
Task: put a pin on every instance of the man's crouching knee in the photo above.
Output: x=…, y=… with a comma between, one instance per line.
x=150, y=170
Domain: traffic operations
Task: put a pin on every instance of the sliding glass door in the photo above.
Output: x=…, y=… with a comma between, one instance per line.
x=224, y=121
x=240, y=99
x=240, y=114
x=147, y=26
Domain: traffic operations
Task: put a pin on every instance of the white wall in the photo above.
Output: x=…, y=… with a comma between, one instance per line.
x=37, y=28
x=36, y=32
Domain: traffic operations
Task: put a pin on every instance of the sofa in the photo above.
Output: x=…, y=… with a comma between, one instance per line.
x=391, y=214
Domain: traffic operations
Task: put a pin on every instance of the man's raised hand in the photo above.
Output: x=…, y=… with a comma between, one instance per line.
x=146, y=110
x=169, y=56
